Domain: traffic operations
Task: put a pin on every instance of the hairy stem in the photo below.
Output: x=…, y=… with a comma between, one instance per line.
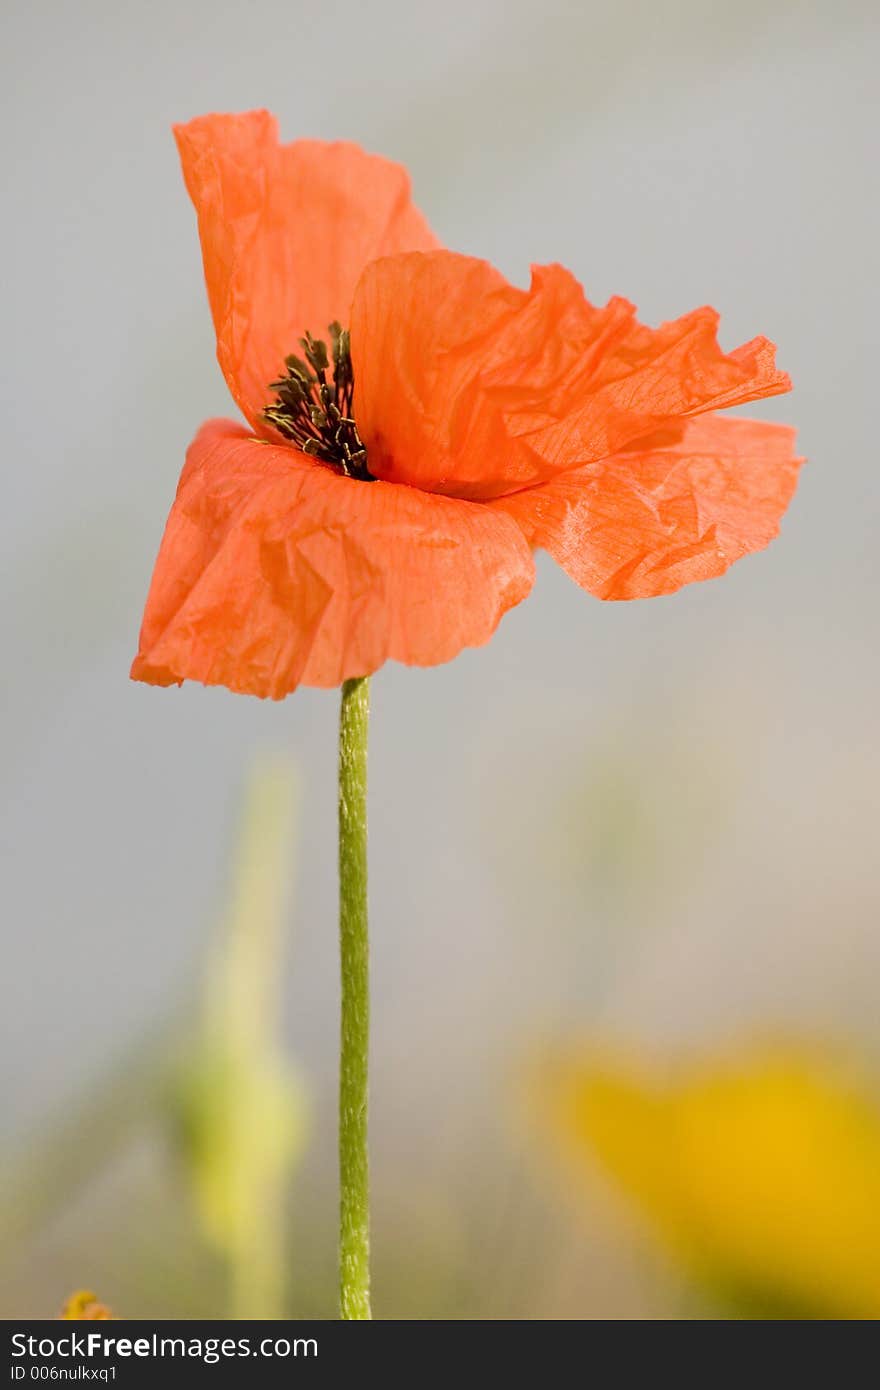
x=354, y=1180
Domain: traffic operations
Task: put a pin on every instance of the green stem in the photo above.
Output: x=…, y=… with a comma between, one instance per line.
x=354, y=1178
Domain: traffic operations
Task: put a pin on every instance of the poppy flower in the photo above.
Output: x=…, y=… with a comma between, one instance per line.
x=417, y=426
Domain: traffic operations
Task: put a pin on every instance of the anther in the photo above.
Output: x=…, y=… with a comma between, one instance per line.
x=315, y=414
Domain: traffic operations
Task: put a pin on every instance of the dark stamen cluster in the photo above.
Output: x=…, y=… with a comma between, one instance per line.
x=315, y=413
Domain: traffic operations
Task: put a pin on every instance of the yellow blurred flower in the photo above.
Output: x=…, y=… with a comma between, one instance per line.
x=759, y=1172
x=85, y=1305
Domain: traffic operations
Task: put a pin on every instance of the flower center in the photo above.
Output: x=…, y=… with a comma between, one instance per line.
x=314, y=412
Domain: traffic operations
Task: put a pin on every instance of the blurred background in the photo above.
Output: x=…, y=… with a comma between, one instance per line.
x=643, y=830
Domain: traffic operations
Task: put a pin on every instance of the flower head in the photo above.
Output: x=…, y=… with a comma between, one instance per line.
x=417, y=425
x=85, y=1306
x=759, y=1171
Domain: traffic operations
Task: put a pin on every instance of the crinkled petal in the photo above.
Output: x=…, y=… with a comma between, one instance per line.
x=675, y=508
x=450, y=360
x=468, y=386
x=275, y=571
x=286, y=231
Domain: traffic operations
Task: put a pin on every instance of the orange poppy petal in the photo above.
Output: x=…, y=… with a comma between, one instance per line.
x=672, y=510
x=275, y=571
x=468, y=386
x=286, y=231
x=450, y=360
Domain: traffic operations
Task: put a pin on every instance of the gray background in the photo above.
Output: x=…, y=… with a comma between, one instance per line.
x=677, y=154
